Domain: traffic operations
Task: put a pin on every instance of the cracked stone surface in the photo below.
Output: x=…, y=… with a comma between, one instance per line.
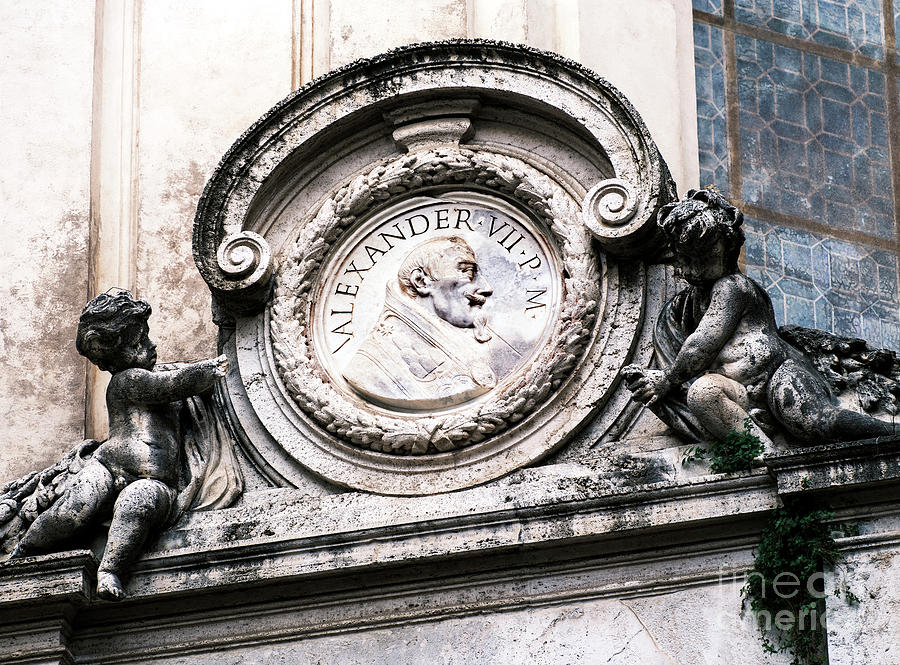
x=689, y=627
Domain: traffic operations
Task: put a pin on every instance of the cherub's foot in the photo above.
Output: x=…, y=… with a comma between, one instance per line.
x=108, y=586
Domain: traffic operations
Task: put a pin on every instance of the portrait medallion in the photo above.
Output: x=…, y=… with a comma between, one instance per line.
x=428, y=273
x=435, y=302
x=440, y=319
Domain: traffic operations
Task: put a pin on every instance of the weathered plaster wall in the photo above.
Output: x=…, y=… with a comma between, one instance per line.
x=864, y=629
x=194, y=103
x=114, y=115
x=646, y=50
x=45, y=130
x=174, y=85
x=185, y=106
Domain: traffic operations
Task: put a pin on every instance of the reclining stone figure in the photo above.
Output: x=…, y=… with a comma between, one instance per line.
x=136, y=474
x=721, y=359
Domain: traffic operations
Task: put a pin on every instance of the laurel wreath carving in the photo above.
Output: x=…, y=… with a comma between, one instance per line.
x=289, y=312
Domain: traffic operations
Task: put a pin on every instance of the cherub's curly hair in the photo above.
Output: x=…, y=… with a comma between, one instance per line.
x=107, y=321
x=704, y=217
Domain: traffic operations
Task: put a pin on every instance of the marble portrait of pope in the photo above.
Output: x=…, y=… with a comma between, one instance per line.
x=428, y=348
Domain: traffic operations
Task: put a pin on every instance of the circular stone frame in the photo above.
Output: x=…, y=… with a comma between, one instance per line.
x=403, y=176
x=344, y=145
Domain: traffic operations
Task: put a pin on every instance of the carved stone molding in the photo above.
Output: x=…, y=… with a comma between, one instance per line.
x=433, y=123
x=349, y=372
x=837, y=466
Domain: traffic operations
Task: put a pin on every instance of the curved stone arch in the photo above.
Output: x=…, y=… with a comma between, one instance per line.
x=563, y=122
x=585, y=99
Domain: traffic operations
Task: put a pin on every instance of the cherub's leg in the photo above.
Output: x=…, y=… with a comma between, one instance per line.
x=803, y=404
x=721, y=405
x=87, y=496
x=141, y=507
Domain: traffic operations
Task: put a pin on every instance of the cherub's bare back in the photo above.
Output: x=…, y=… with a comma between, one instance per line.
x=143, y=425
x=143, y=441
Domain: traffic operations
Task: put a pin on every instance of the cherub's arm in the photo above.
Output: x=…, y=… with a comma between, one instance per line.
x=701, y=348
x=147, y=387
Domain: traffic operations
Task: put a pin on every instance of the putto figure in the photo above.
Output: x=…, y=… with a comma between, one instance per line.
x=721, y=357
x=427, y=348
x=136, y=474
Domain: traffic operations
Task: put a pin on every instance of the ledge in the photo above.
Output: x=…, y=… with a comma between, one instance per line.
x=64, y=576
x=836, y=466
x=39, y=597
x=280, y=535
x=284, y=566
x=559, y=511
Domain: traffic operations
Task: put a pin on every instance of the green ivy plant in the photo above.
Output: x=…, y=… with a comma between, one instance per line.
x=797, y=545
x=693, y=454
x=736, y=452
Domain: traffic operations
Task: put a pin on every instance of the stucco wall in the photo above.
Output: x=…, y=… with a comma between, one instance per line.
x=45, y=130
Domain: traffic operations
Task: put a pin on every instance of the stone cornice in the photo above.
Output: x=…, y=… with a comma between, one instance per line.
x=294, y=566
x=850, y=465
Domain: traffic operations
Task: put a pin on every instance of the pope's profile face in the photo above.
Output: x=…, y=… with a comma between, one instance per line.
x=410, y=358
x=458, y=290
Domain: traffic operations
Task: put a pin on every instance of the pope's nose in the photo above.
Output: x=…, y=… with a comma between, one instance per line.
x=482, y=286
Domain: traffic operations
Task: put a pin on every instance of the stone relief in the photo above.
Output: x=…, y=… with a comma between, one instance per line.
x=459, y=335
x=169, y=450
x=721, y=359
x=420, y=354
x=512, y=260
x=539, y=166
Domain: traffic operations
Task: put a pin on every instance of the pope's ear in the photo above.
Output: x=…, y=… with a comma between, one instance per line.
x=420, y=282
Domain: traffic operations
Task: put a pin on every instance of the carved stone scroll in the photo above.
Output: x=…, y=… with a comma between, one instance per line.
x=245, y=256
x=609, y=212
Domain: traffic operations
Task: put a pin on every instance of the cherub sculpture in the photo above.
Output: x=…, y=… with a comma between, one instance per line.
x=139, y=476
x=722, y=362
